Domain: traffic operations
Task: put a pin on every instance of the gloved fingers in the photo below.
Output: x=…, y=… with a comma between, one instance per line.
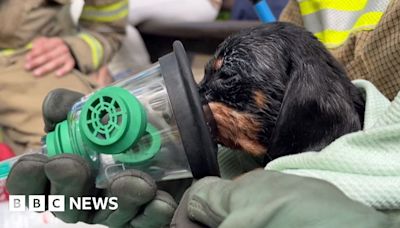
x=200, y=194
x=56, y=106
x=27, y=176
x=133, y=189
x=158, y=213
x=181, y=215
x=209, y=200
x=71, y=176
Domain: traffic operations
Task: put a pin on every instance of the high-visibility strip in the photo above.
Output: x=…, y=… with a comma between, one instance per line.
x=333, y=38
x=106, y=13
x=10, y=51
x=110, y=7
x=340, y=20
x=312, y=6
x=333, y=21
x=95, y=47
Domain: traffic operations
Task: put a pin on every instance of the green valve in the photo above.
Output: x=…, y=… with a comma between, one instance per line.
x=111, y=121
x=143, y=151
x=4, y=170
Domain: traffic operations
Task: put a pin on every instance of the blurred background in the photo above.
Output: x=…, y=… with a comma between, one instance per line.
x=201, y=25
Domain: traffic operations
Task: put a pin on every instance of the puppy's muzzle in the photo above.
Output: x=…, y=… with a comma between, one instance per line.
x=203, y=95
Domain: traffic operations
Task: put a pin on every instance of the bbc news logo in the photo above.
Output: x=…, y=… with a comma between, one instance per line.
x=56, y=203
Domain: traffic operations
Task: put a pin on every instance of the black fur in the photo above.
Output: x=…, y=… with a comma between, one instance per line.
x=310, y=99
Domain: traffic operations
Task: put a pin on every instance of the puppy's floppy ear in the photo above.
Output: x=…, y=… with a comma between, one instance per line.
x=316, y=109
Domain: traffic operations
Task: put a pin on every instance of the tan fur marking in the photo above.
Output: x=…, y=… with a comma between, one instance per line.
x=217, y=64
x=260, y=99
x=237, y=130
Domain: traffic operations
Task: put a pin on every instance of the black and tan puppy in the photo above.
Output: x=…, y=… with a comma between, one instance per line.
x=275, y=90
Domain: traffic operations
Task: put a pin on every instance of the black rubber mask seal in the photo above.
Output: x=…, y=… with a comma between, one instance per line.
x=195, y=123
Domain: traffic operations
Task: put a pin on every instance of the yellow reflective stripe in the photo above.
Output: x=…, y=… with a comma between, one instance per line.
x=10, y=51
x=110, y=7
x=368, y=19
x=106, y=18
x=312, y=6
x=95, y=47
x=334, y=38
x=29, y=46
x=106, y=13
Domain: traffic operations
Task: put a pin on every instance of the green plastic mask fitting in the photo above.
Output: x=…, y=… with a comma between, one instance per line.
x=4, y=170
x=111, y=121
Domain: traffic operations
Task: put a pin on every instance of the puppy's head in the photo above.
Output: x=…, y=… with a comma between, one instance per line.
x=275, y=89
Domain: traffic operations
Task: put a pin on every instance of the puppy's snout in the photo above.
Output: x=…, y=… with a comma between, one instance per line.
x=203, y=95
x=202, y=88
x=203, y=100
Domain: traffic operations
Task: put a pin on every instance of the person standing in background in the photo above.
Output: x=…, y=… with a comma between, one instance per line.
x=133, y=55
x=41, y=49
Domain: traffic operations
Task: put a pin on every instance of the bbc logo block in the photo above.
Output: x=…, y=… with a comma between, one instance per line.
x=36, y=203
x=16, y=203
x=58, y=203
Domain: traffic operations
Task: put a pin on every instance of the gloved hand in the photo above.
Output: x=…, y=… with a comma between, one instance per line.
x=140, y=204
x=265, y=199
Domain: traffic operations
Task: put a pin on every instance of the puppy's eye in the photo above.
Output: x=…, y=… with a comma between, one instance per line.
x=230, y=80
x=224, y=75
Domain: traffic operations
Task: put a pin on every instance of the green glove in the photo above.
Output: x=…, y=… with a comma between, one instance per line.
x=273, y=200
x=140, y=204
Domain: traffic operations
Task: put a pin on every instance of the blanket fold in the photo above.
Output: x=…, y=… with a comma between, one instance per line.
x=365, y=165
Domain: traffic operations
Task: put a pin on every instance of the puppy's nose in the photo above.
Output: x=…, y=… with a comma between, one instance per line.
x=202, y=92
x=203, y=99
x=201, y=89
